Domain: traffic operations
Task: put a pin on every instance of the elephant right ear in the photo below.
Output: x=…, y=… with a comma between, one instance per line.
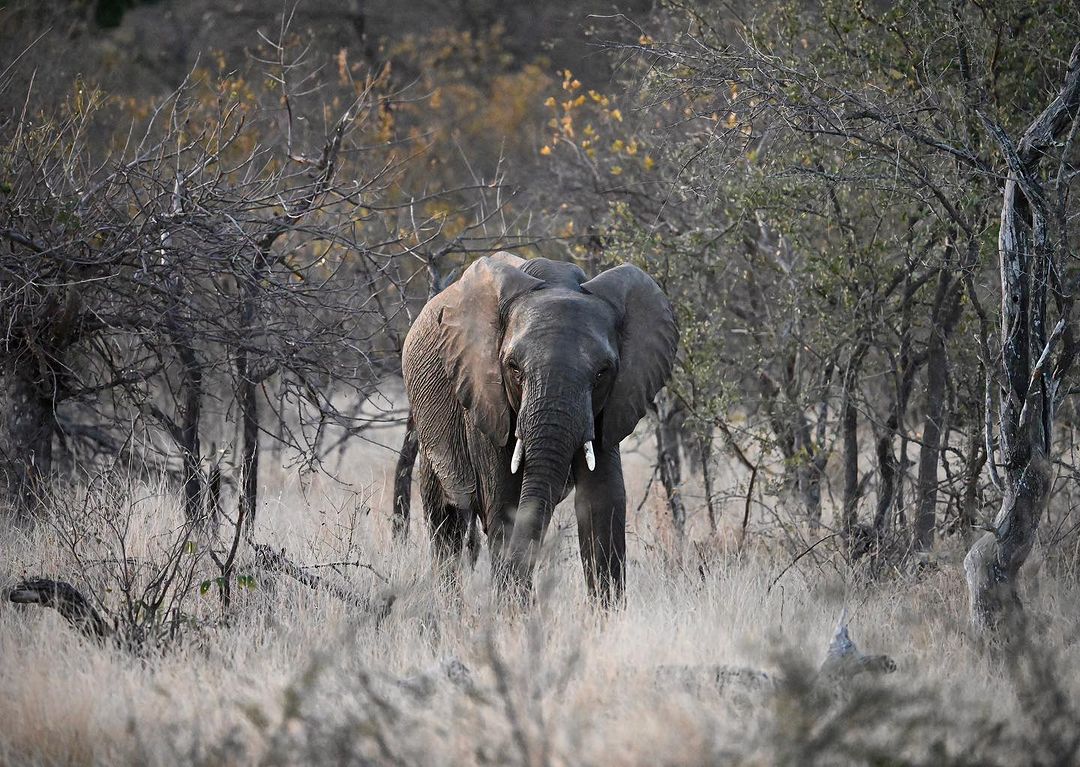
x=471, y=328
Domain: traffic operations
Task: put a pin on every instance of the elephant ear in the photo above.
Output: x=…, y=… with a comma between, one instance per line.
x=471, y=329
x=648, y=338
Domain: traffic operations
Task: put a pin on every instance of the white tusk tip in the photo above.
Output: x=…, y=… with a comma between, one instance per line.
x=590, y=457
x=515, y=461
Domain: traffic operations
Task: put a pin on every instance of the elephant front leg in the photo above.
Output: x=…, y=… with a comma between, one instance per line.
x=600, y=503
x=448, y=525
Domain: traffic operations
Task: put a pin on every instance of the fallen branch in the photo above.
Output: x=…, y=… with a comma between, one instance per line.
x=271, y=560
x=843, y=661
x=66, y=600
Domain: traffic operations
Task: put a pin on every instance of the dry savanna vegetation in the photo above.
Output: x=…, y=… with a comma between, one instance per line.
x=853, y=533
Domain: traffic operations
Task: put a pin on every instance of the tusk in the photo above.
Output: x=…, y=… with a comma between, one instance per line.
x=590, y=457
x=515, y=462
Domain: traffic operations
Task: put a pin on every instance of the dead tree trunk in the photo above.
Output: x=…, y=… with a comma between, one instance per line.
x=1030, y=384
x=944, y=317
x=667, y=455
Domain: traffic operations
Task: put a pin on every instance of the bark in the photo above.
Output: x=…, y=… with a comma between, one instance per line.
x=976, y=459
x=26, y=429
x=849, y=425
x=945, y=315
x=186, y=432
x=247, y=404
x=804, y=457
x=705, y=450
x=667, y=454
x=67, y=600
x=187, y=437
x=886, y=462
x=1031, y=382
x=403, y=480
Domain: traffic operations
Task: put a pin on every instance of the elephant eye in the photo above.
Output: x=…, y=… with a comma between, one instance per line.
x=512, y=366
x=601, y=373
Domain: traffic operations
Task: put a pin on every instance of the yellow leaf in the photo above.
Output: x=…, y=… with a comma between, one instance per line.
x=616, y=170
x=649, y=162
x=546, y=150
x=617, y=145
x=550, y=101
x=616, y=114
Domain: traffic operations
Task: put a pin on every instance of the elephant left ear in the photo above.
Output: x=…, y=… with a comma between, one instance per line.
x=648, y=339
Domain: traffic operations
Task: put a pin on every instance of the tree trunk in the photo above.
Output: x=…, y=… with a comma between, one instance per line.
x=976, y=459
x=667, y=454
x=705, y=450
x=26, y=429
x=946, y=314
x=403, y=480
x=1031, y=381
x=849, y=431
x=247, y=403
x=803, y=458
x=188, y=436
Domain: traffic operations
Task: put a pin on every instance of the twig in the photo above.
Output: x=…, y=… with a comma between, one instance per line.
x=796, y=559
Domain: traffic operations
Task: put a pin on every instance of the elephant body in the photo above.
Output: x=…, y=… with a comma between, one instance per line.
x=523, y=377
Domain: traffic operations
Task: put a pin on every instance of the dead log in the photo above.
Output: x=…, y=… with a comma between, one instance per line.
x=843, y=661
x=66, y=600
x=273, y=561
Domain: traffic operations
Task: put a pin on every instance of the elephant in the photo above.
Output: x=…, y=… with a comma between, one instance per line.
x=523, y=377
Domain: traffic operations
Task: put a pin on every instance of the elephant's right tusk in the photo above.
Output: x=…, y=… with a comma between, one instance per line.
x=590, y=457
x=515, y=462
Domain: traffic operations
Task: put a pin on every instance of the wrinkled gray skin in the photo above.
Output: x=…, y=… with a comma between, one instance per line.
x=531, y=350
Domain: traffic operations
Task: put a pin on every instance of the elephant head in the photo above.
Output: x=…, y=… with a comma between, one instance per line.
x=548, y=363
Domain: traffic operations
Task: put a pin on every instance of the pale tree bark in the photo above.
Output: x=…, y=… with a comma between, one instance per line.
x=1034, y=362
x=667, y=456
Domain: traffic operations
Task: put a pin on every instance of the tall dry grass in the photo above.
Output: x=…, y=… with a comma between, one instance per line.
x=296, y=676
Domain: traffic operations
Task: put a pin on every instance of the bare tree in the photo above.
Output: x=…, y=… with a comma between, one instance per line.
x=1037, y=352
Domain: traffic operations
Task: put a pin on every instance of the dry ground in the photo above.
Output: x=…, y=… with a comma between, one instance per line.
x=300, y=677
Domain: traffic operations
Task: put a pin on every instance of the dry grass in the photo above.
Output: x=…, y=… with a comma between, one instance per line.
x=299, y=677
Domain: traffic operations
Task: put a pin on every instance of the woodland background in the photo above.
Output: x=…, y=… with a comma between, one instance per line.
x=218, y=219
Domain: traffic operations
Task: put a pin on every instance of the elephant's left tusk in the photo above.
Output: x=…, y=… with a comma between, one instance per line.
x=515, y=461
x=590, y=457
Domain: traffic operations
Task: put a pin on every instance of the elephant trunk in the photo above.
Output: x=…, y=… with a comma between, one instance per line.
x=552, y=426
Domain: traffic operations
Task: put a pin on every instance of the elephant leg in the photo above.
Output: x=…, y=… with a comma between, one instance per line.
x=448, y=524
x=600, y=503
x=498, y=540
